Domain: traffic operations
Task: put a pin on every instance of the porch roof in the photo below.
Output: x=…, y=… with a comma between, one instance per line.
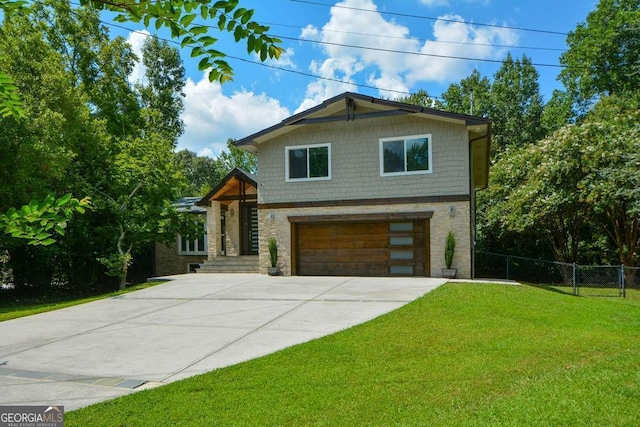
x=233, y=186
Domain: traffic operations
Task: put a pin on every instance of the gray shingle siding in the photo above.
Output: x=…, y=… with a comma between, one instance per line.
x=355, y=161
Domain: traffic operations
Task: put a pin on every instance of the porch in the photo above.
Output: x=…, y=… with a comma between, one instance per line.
x=232, y=224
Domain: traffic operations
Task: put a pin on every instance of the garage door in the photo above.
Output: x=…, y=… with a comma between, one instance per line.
x=380, y=248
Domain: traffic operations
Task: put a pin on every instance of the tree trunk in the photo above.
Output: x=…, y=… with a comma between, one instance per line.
x=123, y=275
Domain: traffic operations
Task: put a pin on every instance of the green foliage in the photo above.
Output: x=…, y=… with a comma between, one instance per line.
x=185, y=20
x=471, y=96
x=161, y=93
x=449, y=249
x=603, y=57
x=559, y=111
x=10, y=104
x=515, y=105
x=201, y=172
x=236, y=157
x=40, y=222
x=115, y=264
x=421, y=98
x=82, y=132
x=580, y=179
x=273, y=251
x=612, y=162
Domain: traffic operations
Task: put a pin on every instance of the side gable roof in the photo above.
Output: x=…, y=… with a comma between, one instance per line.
x=230, y=183
x=345, y=107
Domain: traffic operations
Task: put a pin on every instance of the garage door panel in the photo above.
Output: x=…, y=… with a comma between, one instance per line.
x=344, y=269
x=340, y=230
x=345, y=242
x=342, y=255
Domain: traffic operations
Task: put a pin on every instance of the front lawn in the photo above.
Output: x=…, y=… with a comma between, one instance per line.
x=13, y=310
x=461, y=355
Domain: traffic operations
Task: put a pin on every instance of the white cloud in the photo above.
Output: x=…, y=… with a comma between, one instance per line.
x=212, y=117
x=205, y=152
x=285, y=60
x=310, y=32
x=432, y=3
x=136, y=40
x=388, y=69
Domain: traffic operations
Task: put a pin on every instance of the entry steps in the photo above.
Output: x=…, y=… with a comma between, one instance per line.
x=231, y=264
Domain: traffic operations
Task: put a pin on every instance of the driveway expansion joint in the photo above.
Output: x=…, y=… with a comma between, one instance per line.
x=72, y=378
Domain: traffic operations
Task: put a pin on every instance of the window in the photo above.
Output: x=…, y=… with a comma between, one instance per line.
x=308, y=163
x=193, y=247
x=405, y=155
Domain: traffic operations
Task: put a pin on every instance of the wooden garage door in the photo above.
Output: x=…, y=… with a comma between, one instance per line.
x=362, y=249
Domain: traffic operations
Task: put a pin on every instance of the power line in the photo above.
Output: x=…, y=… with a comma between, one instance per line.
x=273, y=67
x=433, y=55
x=275, y=24
x=288, y=70
x=407, y=15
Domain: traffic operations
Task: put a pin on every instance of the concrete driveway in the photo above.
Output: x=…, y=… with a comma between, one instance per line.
x=193, y=324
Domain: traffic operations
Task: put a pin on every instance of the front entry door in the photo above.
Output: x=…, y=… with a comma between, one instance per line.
x=249, y=228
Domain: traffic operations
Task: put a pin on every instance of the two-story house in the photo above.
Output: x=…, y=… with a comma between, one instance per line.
x=356, y=186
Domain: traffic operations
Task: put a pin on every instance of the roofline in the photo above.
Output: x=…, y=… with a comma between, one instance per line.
x=411, y=108
x=234, y=173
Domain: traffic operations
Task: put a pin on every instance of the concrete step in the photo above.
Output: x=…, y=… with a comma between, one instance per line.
x=232, y=264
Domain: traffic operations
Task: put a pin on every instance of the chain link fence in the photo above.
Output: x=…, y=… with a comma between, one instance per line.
x=593, y=280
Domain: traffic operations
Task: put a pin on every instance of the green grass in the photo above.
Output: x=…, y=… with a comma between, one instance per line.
x=471, y=355
x=13, y=310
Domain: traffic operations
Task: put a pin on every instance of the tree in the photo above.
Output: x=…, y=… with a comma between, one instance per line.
x=613, y=161
x=162, y=90
x=202, y=173
x=236, y=158
x=470, y=96
x=98, y=65
x=603, y=55
x=581, y=178
x=541, y=197
x=422, y=99
x=35, y=147
x=516, y=105
x=182, y=19
x=558, y=112
x=145, y=182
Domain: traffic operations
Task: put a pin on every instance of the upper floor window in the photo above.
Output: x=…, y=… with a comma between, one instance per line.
x=308, y=162
x=405, y=155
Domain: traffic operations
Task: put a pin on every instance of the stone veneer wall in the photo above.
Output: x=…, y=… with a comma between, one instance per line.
x=440, y=224
x=213, y=230
x=233, y=229
x=168, y=262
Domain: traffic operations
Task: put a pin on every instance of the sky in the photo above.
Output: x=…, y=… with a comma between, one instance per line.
x=381, y=48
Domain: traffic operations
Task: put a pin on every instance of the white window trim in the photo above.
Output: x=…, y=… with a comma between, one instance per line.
x=404, y=140
x=187, y=252
x=298, y=147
